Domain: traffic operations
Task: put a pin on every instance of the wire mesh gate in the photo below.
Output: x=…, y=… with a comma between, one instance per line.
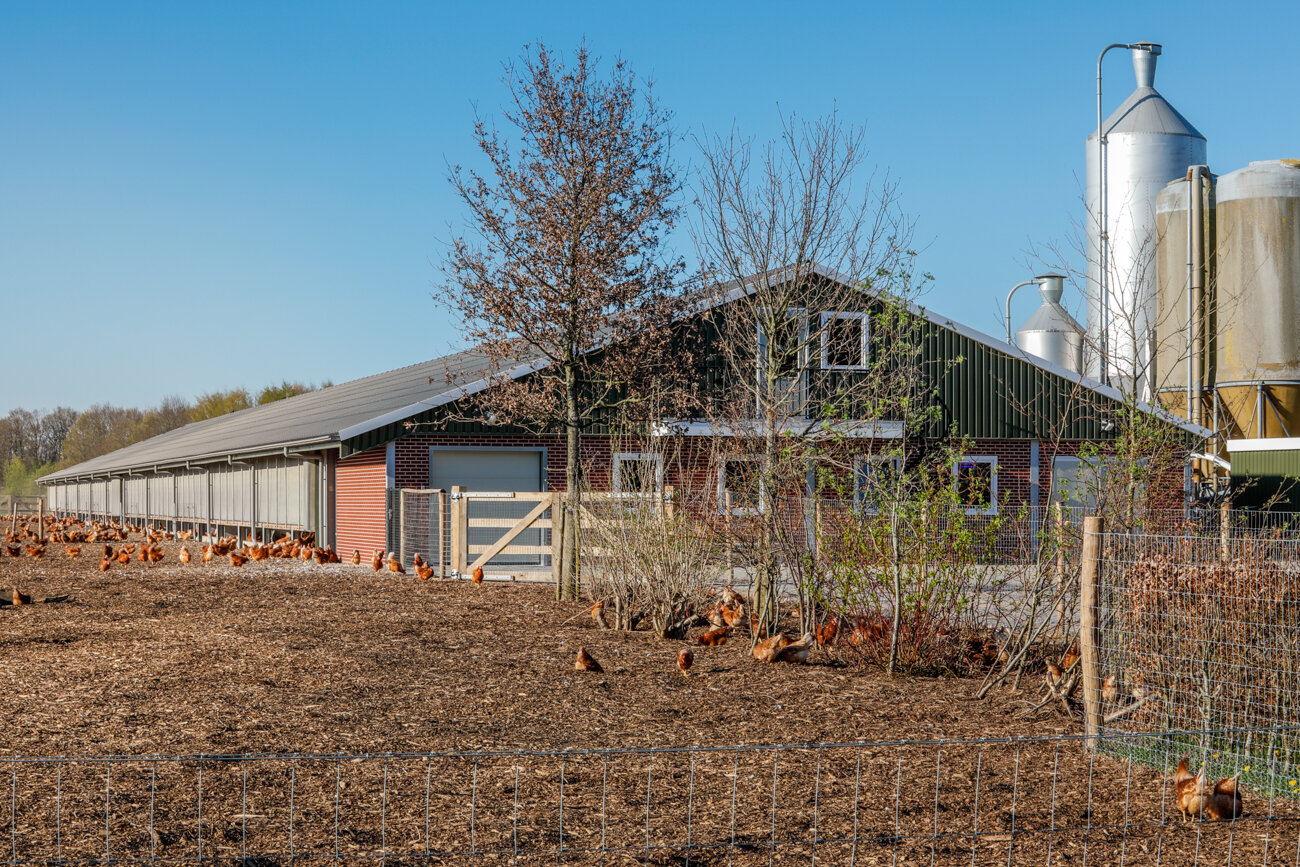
x=1004, y=801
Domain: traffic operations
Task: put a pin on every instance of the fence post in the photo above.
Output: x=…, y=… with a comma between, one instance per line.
x=1090, y=629
x=557, y=539
x=459, y=530
x=40, y=519
x=442, y=538
x=1224, y=518
x=726, y=505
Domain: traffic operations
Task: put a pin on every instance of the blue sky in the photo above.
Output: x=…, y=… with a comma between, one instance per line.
x=197, y=196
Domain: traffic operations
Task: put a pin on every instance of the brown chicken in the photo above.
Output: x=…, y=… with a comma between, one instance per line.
x=123, y=556
x=377, y=561
x=395, y=565
x=72, y=550
x=356, y=557
x=713, y=637
x=1054, y=673
x=104, y=564
x=598, y=613
x=585, y=661
x=35, y=551
x=1109, y=689
x=237, y=559
x=184, y=555
x=21, y=598
x=417, y=561
x=827, y=631
x=208, y=554
x=424, y=571
x=769, y=649
x=797, y=651
x=1196, y=798
x=477, y=577
x=685, y=659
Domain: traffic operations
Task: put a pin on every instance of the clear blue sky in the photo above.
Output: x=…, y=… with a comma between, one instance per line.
x=197, y=196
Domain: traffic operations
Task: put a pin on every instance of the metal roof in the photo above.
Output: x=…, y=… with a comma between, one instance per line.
x=324, y=418
x=317, y=418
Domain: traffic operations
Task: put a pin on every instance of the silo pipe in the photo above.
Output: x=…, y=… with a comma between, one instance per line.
x=1104, y=235
x=1034, y=282
x=1196, y=291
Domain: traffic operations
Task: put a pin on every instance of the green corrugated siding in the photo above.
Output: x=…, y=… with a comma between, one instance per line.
x=1262, y=479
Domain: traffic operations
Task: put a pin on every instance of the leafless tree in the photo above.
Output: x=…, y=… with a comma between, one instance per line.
x=792, y=233
x=565, y=269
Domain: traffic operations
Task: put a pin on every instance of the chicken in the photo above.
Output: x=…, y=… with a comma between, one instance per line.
x=184, y=555
x=35, y=551
x=1197, y=798
x=356, y=557
x=320, y=555
x=797, y=651
x=685, y=659
x=715, y=617
x=237, y=559
x=598, y=613
x=377, y=561
x=123, y=556
x=585, y=661
x=713, y=637
x=827, y=631
x=156, y=554
x=1071, y=657
x=14, y=550
x=418, y=561
x=731, y=597
x=424, y=571
x=21, y=598
x=733, y=616
x=208, y=553
x=395, y=565
x=1054, y=673
x=477, y=577
x=104, y=564
x=1109, y=690
x=72, y=550
x=769, y=649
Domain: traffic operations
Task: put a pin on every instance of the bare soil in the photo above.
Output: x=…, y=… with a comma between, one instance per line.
x=296, y=658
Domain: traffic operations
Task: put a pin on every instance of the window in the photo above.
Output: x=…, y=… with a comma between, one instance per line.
x=976, y=479
x=877, y=480
x=638, y=473
x=740, y=486
x=844, y=341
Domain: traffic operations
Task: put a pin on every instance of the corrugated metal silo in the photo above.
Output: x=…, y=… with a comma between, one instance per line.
x=1148, y=144
x=1173, y=292
x=1052, y=333
x=1258, y=358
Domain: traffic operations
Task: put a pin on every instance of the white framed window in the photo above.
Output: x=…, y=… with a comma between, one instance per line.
x=975, y=479
x=875, y=480
x=637, y=473
x=740, y=486
x=844, y=337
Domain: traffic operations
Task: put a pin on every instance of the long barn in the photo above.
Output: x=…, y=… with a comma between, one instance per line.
x=333, y=461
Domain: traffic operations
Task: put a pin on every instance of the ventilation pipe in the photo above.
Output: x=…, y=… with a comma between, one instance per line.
x=1195, y=291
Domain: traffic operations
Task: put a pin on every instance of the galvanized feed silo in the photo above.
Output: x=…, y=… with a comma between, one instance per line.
x=1258, y=295
x=1052, y=333
x=1147, y=144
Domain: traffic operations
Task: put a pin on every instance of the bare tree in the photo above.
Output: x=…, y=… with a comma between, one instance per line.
x=792, y=232
x=566, y=270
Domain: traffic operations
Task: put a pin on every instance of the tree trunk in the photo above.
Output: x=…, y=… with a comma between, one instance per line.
x=570, y=578
x=767, y=565
x=895, y=553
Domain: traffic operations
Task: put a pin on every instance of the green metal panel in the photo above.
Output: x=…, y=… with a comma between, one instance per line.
x=1266, y=480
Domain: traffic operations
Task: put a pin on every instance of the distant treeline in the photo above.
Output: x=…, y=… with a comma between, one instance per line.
x=34, y=443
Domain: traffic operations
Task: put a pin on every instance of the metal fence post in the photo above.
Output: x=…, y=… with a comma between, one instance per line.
x=401, y=525
x=1090, y=629
x=442, y=538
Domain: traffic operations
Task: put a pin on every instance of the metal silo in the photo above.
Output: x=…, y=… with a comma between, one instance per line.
x=1184, y=284
x=1258, y=293
x=1052, y=333
x=1147, y=144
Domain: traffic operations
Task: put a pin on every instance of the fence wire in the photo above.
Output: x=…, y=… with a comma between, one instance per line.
x=987, y=801
x=1204, y=633
x=422, y=528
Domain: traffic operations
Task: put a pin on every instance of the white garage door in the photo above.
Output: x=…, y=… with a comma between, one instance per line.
x=494, y=470
x=485, y=469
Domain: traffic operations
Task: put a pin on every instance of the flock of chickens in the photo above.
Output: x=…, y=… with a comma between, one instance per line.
x=1196, y=797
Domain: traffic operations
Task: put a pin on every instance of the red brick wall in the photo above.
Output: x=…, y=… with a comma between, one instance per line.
x=361, y=503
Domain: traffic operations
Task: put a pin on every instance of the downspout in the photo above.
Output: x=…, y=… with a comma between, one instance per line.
x=1196, y=322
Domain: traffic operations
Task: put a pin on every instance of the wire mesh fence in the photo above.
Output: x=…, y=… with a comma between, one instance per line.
x=1203, y=633
x=422, y=528
x=1003, y=801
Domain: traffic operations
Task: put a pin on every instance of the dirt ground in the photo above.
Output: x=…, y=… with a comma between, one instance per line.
x=294, y=658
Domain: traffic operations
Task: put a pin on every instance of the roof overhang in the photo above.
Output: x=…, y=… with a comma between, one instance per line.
x=1275, y=444
x=802, y=427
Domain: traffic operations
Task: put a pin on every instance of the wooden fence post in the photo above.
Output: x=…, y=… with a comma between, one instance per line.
x=459, y=530
x=1090, y=629
x=670, y=501
x=557, y=540
x=40, y=519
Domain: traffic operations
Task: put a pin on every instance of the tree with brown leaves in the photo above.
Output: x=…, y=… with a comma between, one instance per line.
x=565, y=270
